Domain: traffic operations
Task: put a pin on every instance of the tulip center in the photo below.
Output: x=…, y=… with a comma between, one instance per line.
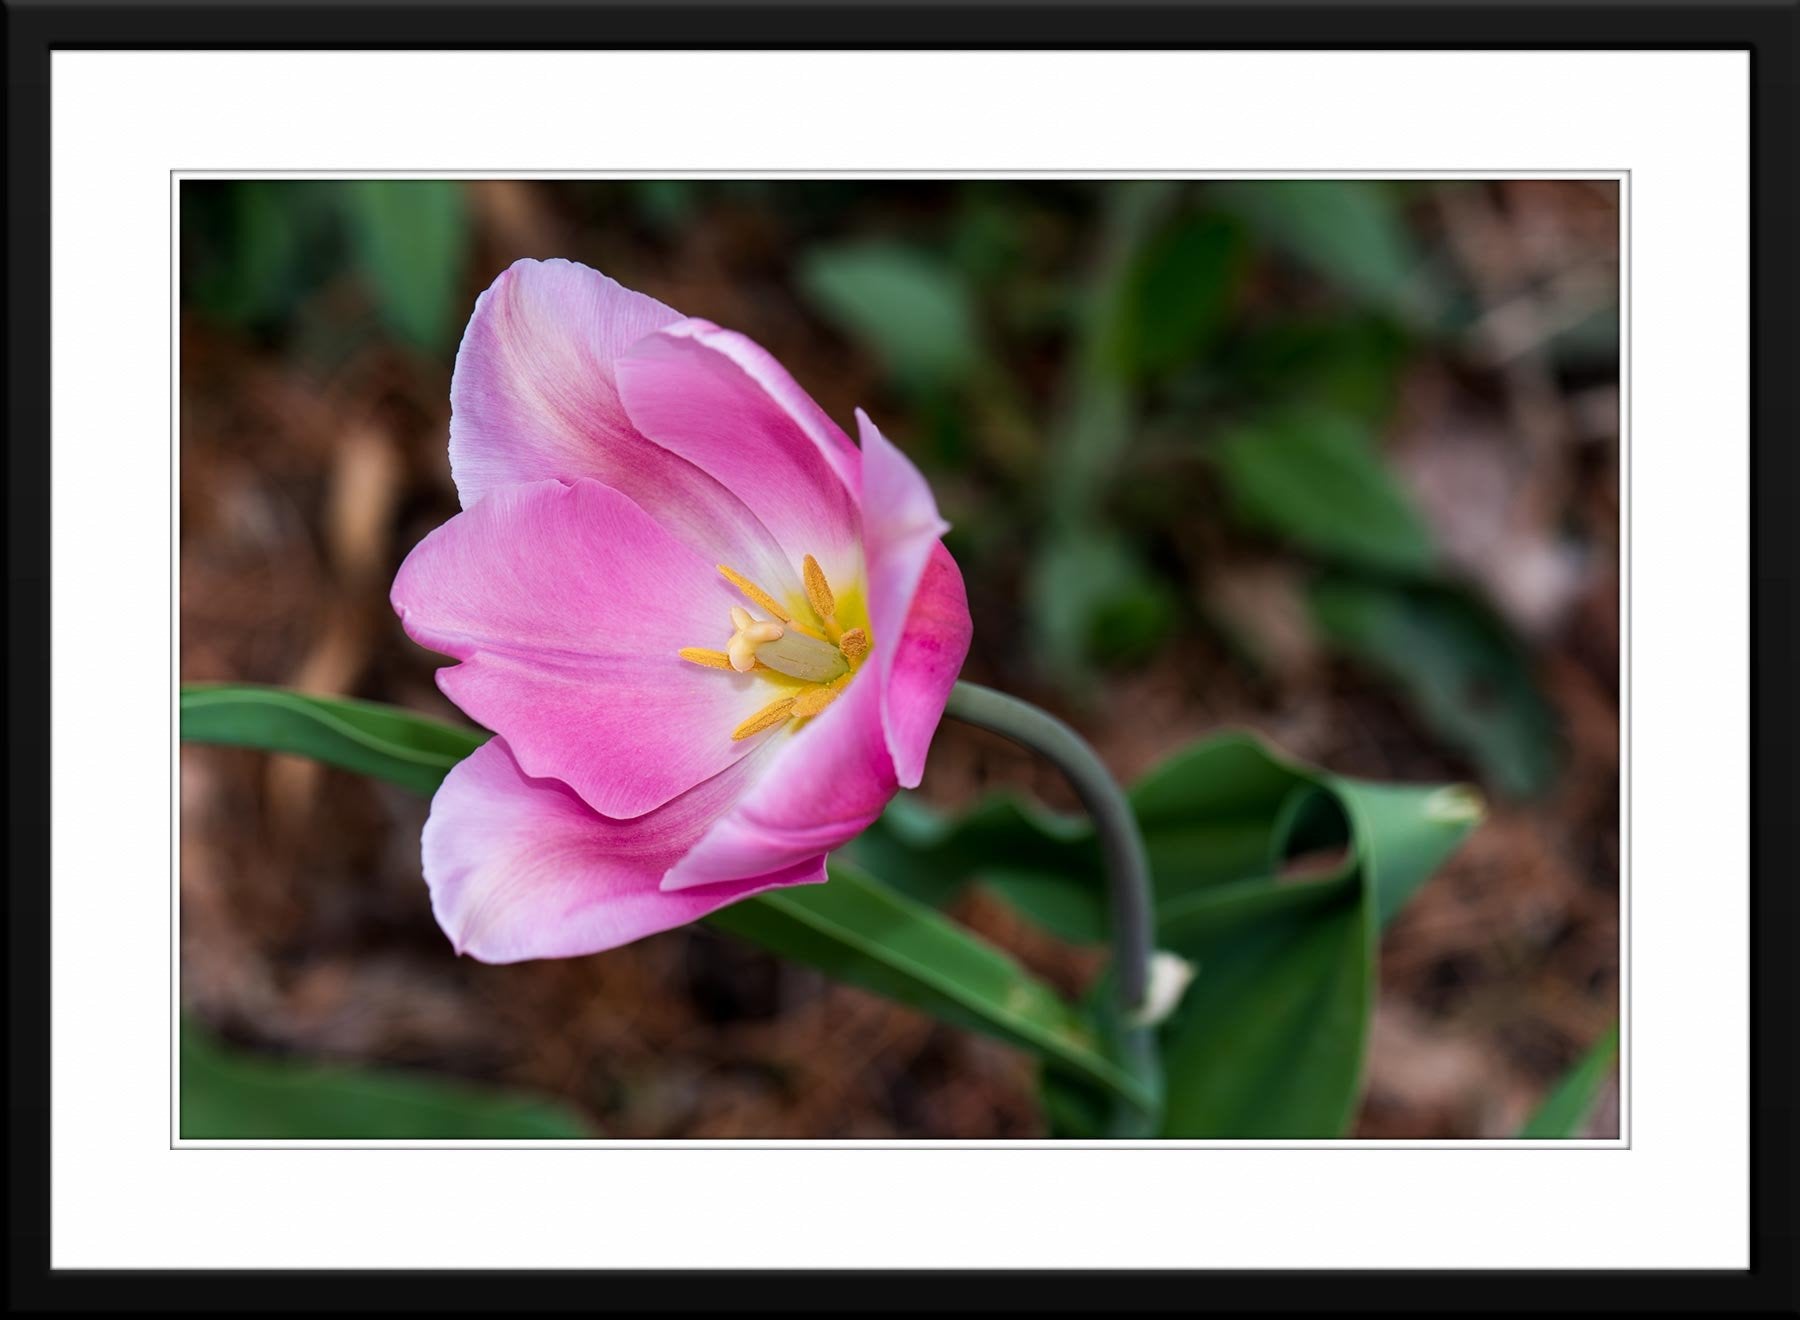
x=810, y=660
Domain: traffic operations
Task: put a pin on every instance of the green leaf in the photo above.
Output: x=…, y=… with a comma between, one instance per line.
x=1568, y=1106
x=226, y=1095
x=1457, y=665
x=1349, y=365
x=1316, y=479
x=1212, y=813
x=1268, y=1040
x=853, y=928
x=929, y=855
x=1089, y=594
x=1075, y=1107
x=857, y=930
x=667, y=204
x=410, y=239
x=1177, y=293
x=910, y=308
x=254, y=248
x=1405, y=832
x=1093, y=599
x=1099, y=416
x=361, y=736
x=242, y=249
x=1348, y=230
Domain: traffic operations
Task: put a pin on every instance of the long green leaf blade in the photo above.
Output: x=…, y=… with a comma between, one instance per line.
x=1572, y=1100
x=406, y=235
x=385, y=742
x=911, y=308
x=854, y=928
x=857, y=930
x=226, y=1095
x=1268, y=1041
x=1457, y=665
x=1313, y=477
x=1349, y=230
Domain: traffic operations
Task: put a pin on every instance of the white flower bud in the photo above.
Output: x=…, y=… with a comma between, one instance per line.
x=1170, y=976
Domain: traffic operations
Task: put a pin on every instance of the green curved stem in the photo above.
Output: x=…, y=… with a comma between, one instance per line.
x=1121, y=842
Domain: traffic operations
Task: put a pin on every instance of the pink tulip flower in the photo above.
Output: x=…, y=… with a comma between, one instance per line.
x=712, y=635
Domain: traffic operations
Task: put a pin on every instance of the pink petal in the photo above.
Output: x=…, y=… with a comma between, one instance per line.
x=567, y=606
x=816, y=788
x=915, y=595
x=535, y=396
x=521, y=868
x=717, y=399
x=926, y=664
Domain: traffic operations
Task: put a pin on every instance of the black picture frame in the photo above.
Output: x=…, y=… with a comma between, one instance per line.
x=1769, y=31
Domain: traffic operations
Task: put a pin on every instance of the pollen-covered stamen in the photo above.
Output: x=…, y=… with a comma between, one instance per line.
x=750, y=637
x=815, y=699
x=699, y=655
x=776, y=712
x=819, y=596
x=753, y=592
x=788, y=651
x=855, y=645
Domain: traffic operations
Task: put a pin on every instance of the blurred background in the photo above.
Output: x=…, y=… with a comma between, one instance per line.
x=1334, y=460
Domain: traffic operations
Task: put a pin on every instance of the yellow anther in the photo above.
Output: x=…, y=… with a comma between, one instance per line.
x=776, y=712
x=815, y=699
x=754, y=592
x=700, y=655
x=818, y=595
x=855, y=645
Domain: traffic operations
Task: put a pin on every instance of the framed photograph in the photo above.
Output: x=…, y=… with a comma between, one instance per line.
x=1031, y=666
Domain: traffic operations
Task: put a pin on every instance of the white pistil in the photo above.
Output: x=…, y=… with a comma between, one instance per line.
x=799, y=656
x=751, y=634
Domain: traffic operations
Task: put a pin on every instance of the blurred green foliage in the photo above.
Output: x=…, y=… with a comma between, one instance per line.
x=404, y=236
x=911, y=308
x=1351, y=231
x=1454, y=660
x=1175, y=296
x=229, y=1095
x=1566, y=1109
x=255, y=252
x=1314, y=478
